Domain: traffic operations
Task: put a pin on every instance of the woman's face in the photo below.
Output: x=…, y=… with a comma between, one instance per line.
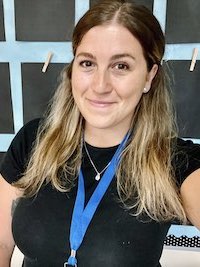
x=109, y=74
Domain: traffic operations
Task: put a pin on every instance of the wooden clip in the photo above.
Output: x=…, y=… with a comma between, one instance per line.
x=49, y=56
x=194, y=58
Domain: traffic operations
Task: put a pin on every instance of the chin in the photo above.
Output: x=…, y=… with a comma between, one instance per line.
x=97, y=124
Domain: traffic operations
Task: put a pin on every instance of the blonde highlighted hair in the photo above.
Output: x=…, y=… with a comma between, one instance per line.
x=145, y=177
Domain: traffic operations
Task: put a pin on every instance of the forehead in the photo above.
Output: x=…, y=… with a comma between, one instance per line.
x=112, y=38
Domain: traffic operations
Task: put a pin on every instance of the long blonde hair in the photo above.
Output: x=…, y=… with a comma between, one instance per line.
x=145, y=177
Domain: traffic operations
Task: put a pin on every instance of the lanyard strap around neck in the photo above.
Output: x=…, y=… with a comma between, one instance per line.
x=81, y=216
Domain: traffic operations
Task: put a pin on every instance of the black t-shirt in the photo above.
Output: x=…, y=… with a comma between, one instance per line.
x=114, y=238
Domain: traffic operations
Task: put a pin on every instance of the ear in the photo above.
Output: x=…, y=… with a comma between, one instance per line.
x=150, y=75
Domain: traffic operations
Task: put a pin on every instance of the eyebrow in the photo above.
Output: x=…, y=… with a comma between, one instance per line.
x=114, y=57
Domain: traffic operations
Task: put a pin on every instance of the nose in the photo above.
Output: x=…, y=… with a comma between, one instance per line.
x=101, y=83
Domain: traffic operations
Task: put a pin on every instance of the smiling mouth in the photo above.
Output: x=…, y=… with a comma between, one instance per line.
x=99, y=103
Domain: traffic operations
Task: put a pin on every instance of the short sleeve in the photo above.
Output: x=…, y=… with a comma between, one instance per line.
x=186, y=159
x=14, y=162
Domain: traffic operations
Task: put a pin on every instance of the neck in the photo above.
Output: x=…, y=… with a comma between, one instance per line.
x=104, y=137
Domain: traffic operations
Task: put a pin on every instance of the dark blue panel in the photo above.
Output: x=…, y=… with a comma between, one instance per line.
x=2, y=31
x=183, y=21
x=38, y=91
x=186, y=88
x=44, y=20
x=6, y=115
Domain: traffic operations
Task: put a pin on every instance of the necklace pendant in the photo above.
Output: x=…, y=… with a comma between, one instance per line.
x=97, y=177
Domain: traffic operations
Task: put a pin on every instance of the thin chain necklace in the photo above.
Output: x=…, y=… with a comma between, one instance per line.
x=98, y=174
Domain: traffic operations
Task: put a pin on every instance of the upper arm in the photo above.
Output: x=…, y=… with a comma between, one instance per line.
x=190, y=194
x=8, y=194
x=12, y=168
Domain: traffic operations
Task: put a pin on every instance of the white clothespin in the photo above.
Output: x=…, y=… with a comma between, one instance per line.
x=49, y=57
x=194, y=58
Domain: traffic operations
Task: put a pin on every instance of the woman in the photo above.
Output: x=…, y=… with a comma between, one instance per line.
x=104, y=174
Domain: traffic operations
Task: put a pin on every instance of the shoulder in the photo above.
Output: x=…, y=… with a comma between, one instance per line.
x=186, y=158
x=187, y=145
x=17, y=156
x=29, y=130
x=186, y=151
x=187, y=166
x=25, y=138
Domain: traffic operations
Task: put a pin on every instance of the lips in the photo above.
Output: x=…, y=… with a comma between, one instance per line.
x=100, y=103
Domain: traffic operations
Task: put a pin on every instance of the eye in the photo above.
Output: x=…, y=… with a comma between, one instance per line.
x=121, y=66
x=86, y=63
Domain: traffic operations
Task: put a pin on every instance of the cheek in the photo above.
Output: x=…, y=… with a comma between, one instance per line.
x=79, y=83
x=132, y=100
x=130, y=89
x=76, y=84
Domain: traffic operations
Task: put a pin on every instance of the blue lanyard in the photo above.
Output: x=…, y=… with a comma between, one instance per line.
x=81, y=216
